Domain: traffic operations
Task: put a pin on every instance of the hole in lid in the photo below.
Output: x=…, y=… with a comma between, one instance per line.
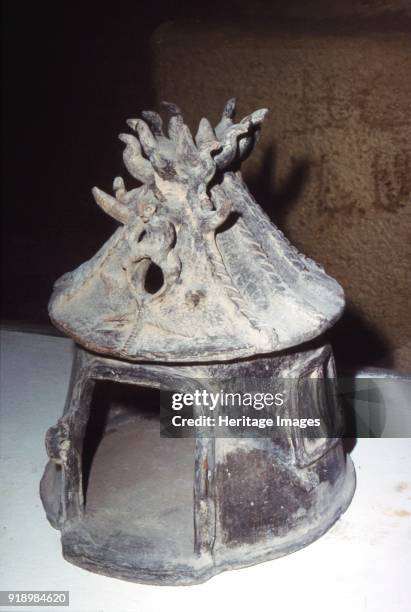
x=154, y=279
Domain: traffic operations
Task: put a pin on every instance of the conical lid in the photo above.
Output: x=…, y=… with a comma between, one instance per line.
x=227, y=282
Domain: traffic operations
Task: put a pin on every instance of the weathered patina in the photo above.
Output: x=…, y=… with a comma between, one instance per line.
x=229, y=284
x=196, y=284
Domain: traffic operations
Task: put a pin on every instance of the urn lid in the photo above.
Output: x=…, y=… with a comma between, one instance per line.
x=196, y=271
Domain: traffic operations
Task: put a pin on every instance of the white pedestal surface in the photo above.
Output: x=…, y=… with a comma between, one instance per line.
x=362, y=563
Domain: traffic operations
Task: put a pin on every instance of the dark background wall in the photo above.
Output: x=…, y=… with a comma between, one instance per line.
x=72, y=73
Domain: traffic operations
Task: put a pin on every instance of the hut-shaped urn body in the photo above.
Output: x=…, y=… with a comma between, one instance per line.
x=195, y=287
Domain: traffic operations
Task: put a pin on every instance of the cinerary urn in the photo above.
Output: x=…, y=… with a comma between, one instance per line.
x=195, y=284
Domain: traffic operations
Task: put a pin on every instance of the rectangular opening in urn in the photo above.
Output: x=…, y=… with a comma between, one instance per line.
x=135, y=483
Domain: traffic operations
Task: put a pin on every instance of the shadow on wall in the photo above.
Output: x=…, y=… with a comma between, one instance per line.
x=277, y=203
x=356, y=342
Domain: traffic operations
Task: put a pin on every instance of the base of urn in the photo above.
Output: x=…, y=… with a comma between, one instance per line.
x=133, y=505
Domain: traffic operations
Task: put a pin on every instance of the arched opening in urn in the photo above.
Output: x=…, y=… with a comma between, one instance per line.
x=135, y=483
x=154, y=279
